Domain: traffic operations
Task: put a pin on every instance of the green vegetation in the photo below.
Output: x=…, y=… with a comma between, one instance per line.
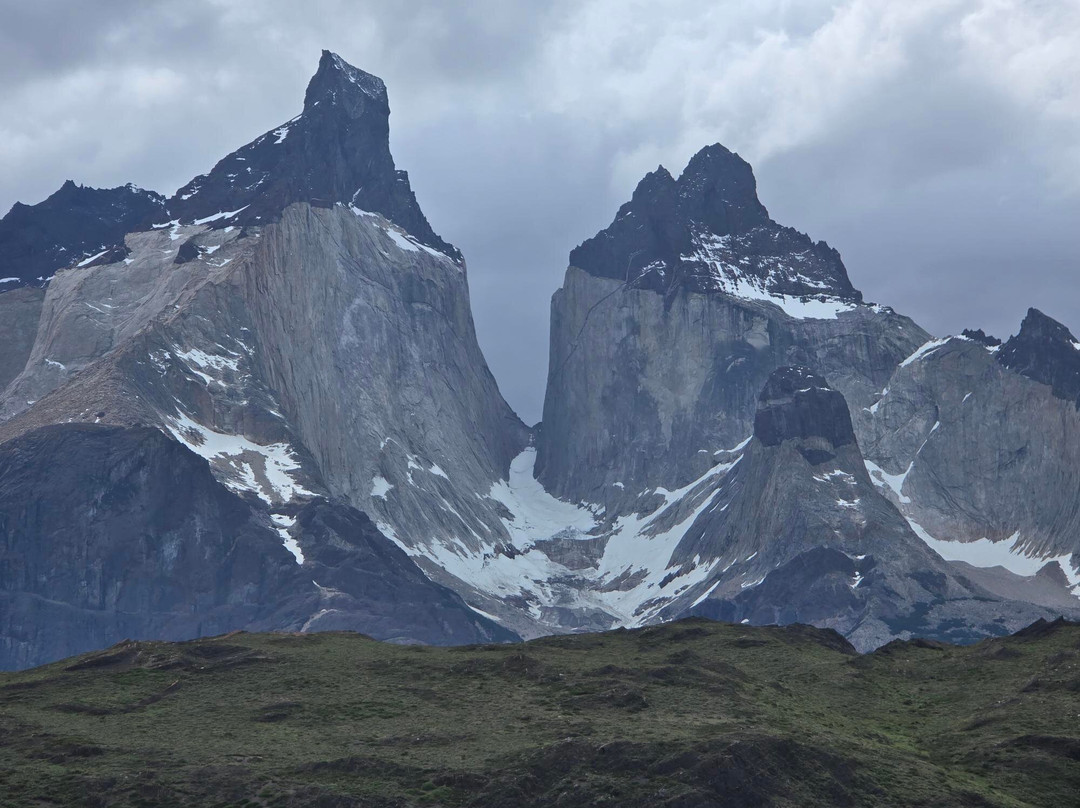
x=689, y=714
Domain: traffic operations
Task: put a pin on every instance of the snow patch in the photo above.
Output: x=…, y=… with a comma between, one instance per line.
x=923, y=350
x=380, y=486
x=219, y=216
x=895, y=482
x=237, y=458
x=91, y=259
x=1006, y=553
x=282, y=524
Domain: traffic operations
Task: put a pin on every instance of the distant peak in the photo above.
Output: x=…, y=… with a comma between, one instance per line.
x=1037, y=325
x=338, y=82
x=708, y=232
x=1045, y=351
x=720, y=190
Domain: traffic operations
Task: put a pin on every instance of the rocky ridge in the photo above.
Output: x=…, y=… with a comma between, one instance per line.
x=291, y=323
x=314, y=361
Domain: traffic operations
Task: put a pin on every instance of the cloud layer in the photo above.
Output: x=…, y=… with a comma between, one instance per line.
x=935, y=143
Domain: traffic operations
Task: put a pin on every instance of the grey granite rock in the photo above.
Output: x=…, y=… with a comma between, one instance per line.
x=970, y=449
x=109, y=533
x=802, y=535
x=642, y=388
x=20, y=310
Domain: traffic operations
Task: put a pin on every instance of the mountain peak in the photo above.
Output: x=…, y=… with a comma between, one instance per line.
x=72, y=224
x=338, y=82
x=719, y=189
x=1045, y=351
x=1037, y=325
x=336, y=151
x=707, y=231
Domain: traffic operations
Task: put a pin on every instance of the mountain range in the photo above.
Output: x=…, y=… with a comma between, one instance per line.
x=260, y=404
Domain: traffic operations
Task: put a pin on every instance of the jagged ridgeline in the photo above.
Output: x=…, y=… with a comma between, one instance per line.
x=260, y=404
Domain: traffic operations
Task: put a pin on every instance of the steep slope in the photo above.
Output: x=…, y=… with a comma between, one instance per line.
x=76, y=226
x=336, y=150
x=669, y=322
x=323, y=353
x=109, y=532
x=800, y=534
x=977, y=444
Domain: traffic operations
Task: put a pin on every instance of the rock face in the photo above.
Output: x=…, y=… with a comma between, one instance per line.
x=111, y=532
x=976, y=443
x=20, y=310
x=321, y=358
x=797, y=404
x=76, y=225
x=826, y=547
x=645, y=381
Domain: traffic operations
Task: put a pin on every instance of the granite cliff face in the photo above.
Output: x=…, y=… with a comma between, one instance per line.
x=319, y=356
x=264, y=396
x=826, y=547
x=976, y=442
x=652, y=371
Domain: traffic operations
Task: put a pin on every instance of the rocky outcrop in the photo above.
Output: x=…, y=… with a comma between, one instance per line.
x=646, y=381
x=75, y=226
x=110, y=532
x=826, y=547
x=976, y=443
x=1045, y=351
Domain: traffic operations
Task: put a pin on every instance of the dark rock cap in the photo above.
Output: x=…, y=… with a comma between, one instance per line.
x=980, y=336
x=796, y=404
x=74, y=223
x=336, y=150
x=1045, y=351
x=707, y=231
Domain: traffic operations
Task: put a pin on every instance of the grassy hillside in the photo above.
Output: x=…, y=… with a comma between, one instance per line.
x=689, y=714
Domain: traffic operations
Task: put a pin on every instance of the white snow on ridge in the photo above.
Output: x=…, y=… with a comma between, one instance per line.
x=1005, y=553
x=924, y=350
x=91, y=259
x=282, y=524
x=236, y=458
x=715, y=252
x=218, y=216
x=402, y=240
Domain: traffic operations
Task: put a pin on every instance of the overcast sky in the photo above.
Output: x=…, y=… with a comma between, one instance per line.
x=935, y=143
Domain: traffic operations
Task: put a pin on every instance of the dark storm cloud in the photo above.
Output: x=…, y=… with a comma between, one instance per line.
x=935, y=143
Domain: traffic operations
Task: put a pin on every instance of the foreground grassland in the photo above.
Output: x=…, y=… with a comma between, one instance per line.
x=689, y=714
